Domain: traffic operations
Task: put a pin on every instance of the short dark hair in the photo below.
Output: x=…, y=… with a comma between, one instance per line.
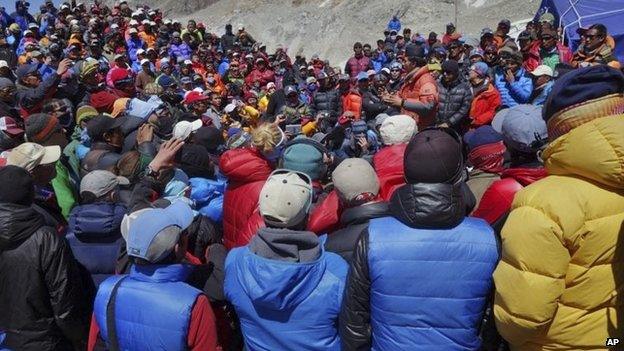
x=600, y=28
x=357, y=45
x=367, y=46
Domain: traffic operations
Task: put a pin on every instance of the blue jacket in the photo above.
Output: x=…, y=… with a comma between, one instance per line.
x=379, y=62
x=95, y=238
x=208, y=197
x=395, y=24
x=180, y=50
x=153, y=307
x=542, y=94
x=516, y=93
x=450, y=271
x=133, y=47
x=284, y=305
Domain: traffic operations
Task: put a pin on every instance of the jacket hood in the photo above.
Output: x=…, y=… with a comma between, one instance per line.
x=98, y=222
x=244, y=165
x=525, y=176
x=17, y=223
x=428, y=205
x=278, y=285
x=594, y=150
x=364, y=213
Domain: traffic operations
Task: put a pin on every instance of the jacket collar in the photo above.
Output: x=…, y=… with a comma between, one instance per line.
x=363, y=213
x=157, y=273
x=428, y=205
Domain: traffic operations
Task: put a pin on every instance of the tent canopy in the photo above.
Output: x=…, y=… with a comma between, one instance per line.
x=574, y=14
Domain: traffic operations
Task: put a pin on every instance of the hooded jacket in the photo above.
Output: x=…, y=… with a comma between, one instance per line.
x=448, y=258
x=95, y=238
x=44, y=298
x=388, y=164
x=246, y=171
x=566, y=298
x=284, y=304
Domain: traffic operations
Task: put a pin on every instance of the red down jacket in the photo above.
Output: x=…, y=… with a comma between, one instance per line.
x=497, y=199
x=388, y=164
x=246, y=171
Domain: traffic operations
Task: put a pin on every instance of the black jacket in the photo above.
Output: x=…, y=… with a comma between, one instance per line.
x=454, y=104
x=372, y=105
x=417, y=206
x=327, y=101
x=45, y=296
x=354, y=221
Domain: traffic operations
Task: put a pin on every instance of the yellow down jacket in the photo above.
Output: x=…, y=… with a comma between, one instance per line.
x=560, y=283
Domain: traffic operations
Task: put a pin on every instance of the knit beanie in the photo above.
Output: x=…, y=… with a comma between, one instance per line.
x=40, y=126
x=582, y=95
x=17, y=186
x=451, y=66
x=433, y=156
x=85, y=111
x=305, y=158
x=355, y=177
x=397, y=129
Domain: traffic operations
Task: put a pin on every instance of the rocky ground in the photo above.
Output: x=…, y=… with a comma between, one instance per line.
x=330, y=27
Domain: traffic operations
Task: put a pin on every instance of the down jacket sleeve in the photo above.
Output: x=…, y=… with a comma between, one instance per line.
x=68, y=290
x=355, y=329
x=521, y=89
x=529, y=285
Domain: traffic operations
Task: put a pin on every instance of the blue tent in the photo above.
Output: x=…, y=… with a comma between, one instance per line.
x=573, y=14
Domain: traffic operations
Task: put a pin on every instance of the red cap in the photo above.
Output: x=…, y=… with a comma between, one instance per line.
x=9, y=126
x=119, y=74
x=193, y=97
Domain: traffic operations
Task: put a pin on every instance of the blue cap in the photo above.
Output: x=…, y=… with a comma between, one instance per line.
x=482, y=136
x=26, y=69
x=522, y=127
x=362, y=76
x=153, y=233
x=166, y=81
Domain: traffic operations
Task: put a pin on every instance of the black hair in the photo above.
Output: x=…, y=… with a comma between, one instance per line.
x=602, y=30
x=357, y=45
x=367, y=46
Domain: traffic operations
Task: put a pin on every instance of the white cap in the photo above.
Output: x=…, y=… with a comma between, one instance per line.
x=152, y=23
x=543, y=70
x=64, y=6
x=167, y=21
x=144, y=61
x=30, y=155
x=73, y=22
x=140, y=52
x=145, y=21
x=133, y=31
x=188, y=62
x=33, y=25
x=285, y=198
x=114, y=26
x=229, y=108
x=183, y=129
x=3, y=63
x=134, y=23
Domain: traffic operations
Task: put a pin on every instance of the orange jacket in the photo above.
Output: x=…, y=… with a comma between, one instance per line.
x=420, y=86
x=483, y=107
x=352, y=101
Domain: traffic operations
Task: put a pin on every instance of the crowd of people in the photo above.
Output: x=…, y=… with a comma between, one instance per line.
x=167, y=188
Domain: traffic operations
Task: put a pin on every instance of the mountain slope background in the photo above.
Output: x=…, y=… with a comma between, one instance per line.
x=330, y=27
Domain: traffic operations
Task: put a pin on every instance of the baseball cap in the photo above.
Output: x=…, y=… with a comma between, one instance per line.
x=102, y=123
x=133, y=31
x=186, y=80
x=151, y=234
x=144, y=61
x=100, y=183
x=188, y=62
x=9, y=126
x=362, y=76
x=543, y=70
x=3, y=63
x=355, y=177
x=547, y=17
x=31, y=155
x=285, y=198
x=522, y=127
x=193, y=97
x=140, y=52
x=229, y=108
x=165, y=81
x=26, y=69
x=290, y=90
x=183, y=129
x=481, y=68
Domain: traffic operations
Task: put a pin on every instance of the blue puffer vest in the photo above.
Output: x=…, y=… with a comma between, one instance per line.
x=429, y=286
x=152, y=309
x=285, y=305
x=95, y=238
